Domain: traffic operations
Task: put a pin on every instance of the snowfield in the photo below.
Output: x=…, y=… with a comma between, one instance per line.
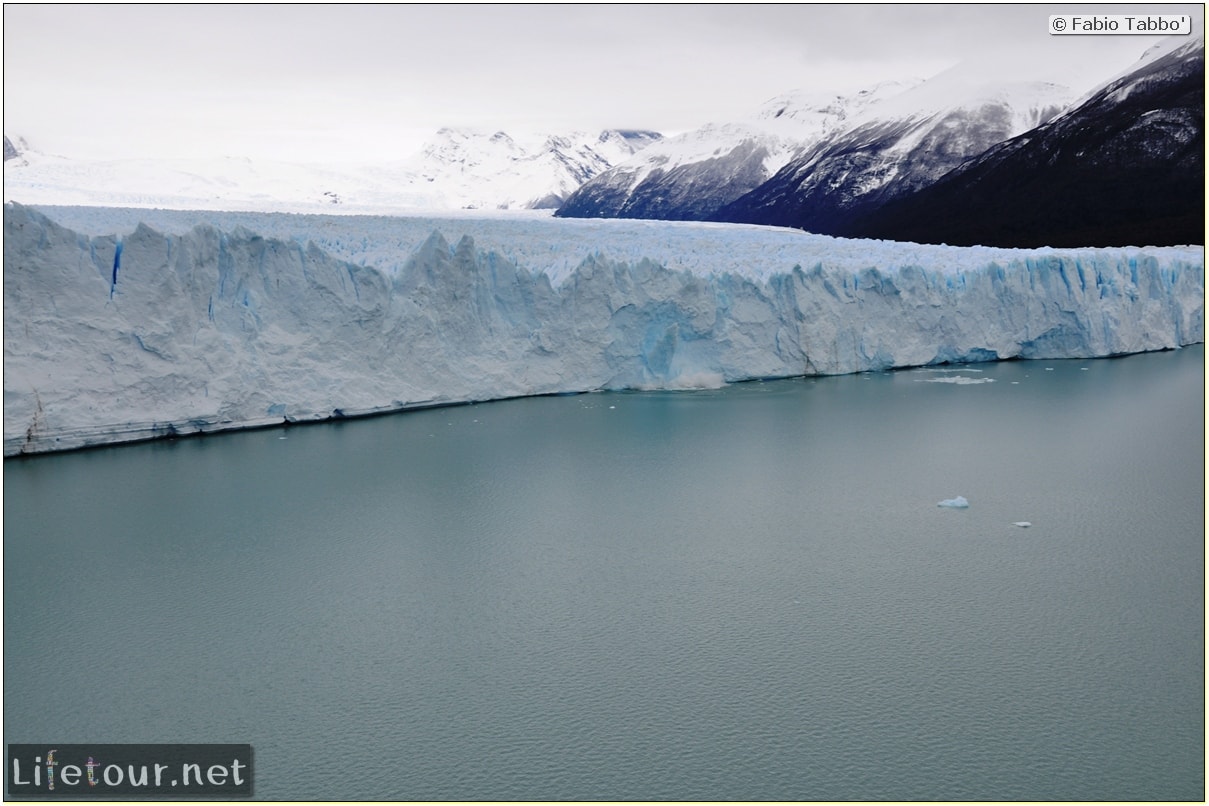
x=457, y=168
x=130, y=324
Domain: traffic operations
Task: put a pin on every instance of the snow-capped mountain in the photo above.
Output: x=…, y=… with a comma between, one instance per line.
x=474, y=169
x=1129, y=151
x=1126, y=166
x=456, y=169
x=690, y=176
x=896, y=147
x=10, y=150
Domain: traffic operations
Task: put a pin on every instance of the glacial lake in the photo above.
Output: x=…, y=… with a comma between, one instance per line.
x=743, y=593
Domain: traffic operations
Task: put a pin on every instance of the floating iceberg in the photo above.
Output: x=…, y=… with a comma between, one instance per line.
x=1022, y=524
x=959, y=380
x=954, y=503
x=186, y=322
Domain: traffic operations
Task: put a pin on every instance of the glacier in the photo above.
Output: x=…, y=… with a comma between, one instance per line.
x=456, y=168
x=133, y=324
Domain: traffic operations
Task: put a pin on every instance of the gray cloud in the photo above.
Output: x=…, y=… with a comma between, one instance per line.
x=371, y=80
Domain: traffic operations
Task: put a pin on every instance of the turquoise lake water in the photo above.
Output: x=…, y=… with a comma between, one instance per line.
x=744, y=593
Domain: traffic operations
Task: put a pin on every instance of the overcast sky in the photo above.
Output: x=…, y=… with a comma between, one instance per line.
x=326, y=83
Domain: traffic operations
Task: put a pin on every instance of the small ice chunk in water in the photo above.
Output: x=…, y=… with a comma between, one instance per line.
x=958, y=379
x=1022, y=524
x=954, y=503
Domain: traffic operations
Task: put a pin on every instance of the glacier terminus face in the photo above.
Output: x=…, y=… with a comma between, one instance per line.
x=123, y=325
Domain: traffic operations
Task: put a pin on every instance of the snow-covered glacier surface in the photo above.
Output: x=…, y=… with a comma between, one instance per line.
x=129, y=324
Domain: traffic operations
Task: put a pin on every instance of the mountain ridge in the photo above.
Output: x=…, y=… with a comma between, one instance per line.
x=899, y=160
x=891, y=171
x=689, y=176
x=897, y=146
x=1124, y=167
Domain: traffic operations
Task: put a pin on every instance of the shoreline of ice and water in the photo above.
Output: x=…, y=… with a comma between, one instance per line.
x=124, y=325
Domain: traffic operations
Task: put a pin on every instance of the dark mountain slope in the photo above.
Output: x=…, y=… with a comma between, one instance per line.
x=904, y=144
x=685, y=192
x=691, y=175
x=1124, y=168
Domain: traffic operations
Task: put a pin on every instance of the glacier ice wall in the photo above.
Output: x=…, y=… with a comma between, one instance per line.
x=113, y=338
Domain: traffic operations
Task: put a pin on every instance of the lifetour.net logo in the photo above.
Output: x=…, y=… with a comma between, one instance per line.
x=75, y=771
